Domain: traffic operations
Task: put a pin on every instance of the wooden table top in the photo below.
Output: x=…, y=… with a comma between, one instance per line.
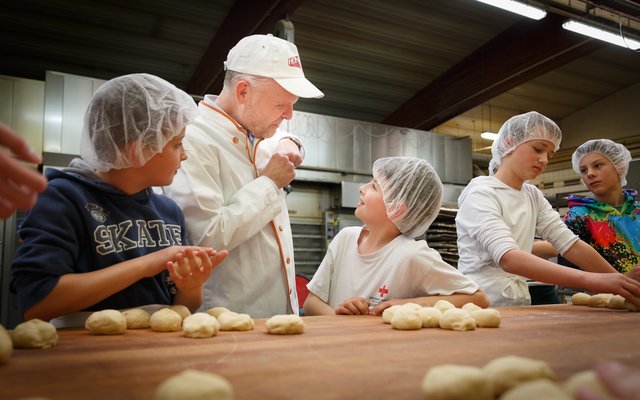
x=338, y=357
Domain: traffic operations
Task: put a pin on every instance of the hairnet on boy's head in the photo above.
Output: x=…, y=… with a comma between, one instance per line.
x=411, y=190
x=619, y=156
x=523, y=128
x=130, y=119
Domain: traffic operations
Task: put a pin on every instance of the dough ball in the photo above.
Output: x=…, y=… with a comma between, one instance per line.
x=585, y=379
x=600, y=300
x=137, y=318
x=509, y=371
x=165, y=320
x=231, y=321
x=183, y=311
x=630, y=306
x=387, y=314
x=471, y=307
x=411, y=306
x=6, y=345
x=580, y=299
x=536, y=389
x=457, y=319
x=430, y=317
x=106, y=322
x=200, y=325
x=34, y=334
x=616, y=302
x=216, y=311
x=444, y=305
x=406, y=319
x=456, y=382
x=486, y=317
x=195, y=385
x=285, y=324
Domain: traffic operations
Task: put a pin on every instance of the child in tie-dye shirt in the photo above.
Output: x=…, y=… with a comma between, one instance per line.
x=610, y=220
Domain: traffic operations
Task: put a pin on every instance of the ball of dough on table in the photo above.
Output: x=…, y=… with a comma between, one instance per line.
x=411, y=306
x=195, y=385
x=616, y=302
x=216, y=311
x=536, y=389
x=444, y=305
x=231, y=321
x=585, y=379
x=6, y=345
x=471, y=307
x=34, y=334
x=600, y=300
x=457, y=319
x=200, y=325
x=456, y=382
x=165, y=320
x=406, y=319
x=285, y=324
x=387, y=314
x=106, y=322
x=486, y=317
x=580, y=299
x=430, y=317
x=137, y=318
x=630, y=306
x=183, y=311
x=509, y=371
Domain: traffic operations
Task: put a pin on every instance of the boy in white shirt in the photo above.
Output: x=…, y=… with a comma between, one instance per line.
x=368, y=269
x=500, y=215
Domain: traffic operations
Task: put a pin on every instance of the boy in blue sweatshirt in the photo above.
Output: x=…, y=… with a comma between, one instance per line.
x=99, y=237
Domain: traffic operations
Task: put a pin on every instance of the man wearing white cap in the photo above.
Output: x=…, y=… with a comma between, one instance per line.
x=230, y=187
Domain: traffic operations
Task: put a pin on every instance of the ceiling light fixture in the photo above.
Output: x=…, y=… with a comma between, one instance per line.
x=489, y=135
x=517, y=7
x=598, y=33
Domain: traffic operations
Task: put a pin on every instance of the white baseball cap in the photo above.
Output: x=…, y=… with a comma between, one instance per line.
x=271, y=57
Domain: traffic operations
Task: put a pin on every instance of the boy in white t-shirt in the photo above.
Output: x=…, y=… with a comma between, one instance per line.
x=368, y=269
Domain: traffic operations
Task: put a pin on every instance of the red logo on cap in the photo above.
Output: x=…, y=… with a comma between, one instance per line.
x=295, y=62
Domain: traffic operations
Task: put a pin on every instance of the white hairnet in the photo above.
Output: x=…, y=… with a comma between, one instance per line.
x=519, y=129
x=137, y=109
x=615, y=152
x=411, y=190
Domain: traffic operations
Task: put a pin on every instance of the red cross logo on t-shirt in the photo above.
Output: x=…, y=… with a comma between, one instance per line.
x=383, y=290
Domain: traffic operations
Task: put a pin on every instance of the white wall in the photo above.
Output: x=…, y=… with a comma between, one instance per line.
x=615, y=117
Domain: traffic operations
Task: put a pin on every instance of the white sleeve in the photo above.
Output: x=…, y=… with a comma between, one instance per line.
x=550, y=226
x=440, y=278
x=480, y=216
x=320, y=284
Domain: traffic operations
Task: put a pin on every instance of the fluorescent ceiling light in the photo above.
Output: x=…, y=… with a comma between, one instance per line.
x=489, y=135
x=517, y=7
x=601, y=34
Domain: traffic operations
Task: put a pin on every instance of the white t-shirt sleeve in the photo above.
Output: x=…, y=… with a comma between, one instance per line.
x=320, y=284
x=438, y=277
x=550, y=226
x=480, y=216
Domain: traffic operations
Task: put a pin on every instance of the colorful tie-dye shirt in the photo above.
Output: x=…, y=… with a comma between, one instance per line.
x=613, y=232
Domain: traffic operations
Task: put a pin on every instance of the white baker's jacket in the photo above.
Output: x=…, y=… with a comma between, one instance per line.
x=227, y=206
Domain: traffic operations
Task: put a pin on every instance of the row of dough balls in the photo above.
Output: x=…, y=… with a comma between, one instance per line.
x=198, y=325
x=603, y=300
x=443, y=315
x=506, y=378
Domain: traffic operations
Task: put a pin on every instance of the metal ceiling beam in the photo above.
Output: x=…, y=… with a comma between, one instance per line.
x=246, y=17
x=523, y=52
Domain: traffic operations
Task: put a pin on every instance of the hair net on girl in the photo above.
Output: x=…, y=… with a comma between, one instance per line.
x=411, y=190
x=619, y=156
x=519, y=129
x=130, y=119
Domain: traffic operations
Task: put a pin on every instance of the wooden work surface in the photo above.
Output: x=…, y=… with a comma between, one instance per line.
x=338, y=357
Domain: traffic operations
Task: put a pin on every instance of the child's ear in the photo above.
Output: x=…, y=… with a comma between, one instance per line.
x=134, y=154
x=399, y=212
